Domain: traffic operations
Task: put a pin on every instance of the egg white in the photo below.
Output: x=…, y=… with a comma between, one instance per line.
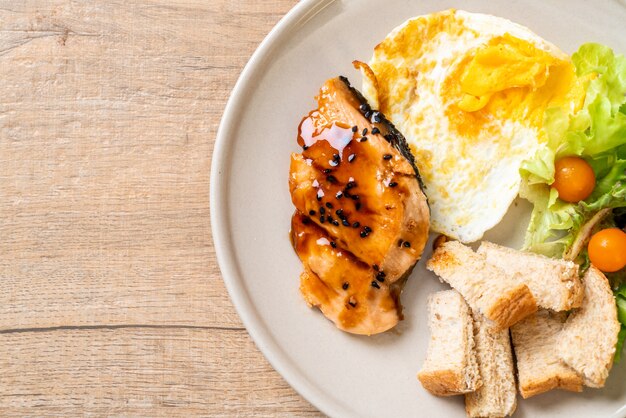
x=470, y=188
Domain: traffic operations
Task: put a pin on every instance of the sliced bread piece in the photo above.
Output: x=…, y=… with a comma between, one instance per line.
x=554, y=283
x=486, y=288
x=587, y=342
x=497, y=396
x=450, y=367
x=539, y=368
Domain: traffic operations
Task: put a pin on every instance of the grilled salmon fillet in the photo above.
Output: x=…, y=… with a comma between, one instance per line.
x=362, y=218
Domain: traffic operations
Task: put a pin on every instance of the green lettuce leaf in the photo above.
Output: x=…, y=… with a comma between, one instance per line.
x=620, y=344
x=597, y=133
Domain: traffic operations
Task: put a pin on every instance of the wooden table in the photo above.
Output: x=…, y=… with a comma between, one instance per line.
x=111, y=301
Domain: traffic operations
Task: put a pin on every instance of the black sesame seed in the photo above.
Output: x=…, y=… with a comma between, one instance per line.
x=345, y=222
x=336, y=157
x=351, y=157
x=364, y=139
x=347, y=194
x=329, y=205
x=312, y=212
x=358, y=206
x=393, y=184
x=355, y=128
x=350, y=185
x=319, y=198
x=330, y=219
x=327, y=170
x=322, y=210
x=339, y=212
x=388, y=137
x=331, y=179
x=363, y=234
x=336, y=222
x=381, y=276
x=356, y=225
x=339, y=195
x=322, y=219
x=387, y=157
x=364, y=131
x=375, y=284
x=377, y=117
x=364, y=107
x=368, y=114
x=375, y=267
x=367, y=229
x=333, y=244
x=375, y=130
x=304, y=147
x=355, y=197
x=407, y=244
x=345, y=286
x=306, y=221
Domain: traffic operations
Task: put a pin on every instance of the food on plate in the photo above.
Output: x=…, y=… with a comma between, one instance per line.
x=469, y=92
x=497, y=395
x=356, y=182
x=340, y=284
x=555, y=284
x=587, y=341
x=490, y=111
x=502, y=298
x=596, y=133
x=563, y=349
x=450, y=367
x=574, y=179
x=607, y=250
x=554, y=350
x=536, y=342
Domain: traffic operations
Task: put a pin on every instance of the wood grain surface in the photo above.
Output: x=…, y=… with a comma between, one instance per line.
x=111, y=300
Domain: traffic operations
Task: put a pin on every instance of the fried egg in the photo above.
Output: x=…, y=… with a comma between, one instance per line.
x=469, y=91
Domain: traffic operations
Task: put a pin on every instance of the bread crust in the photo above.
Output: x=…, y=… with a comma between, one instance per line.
x=443, y=382
x=589, y=336
x=450, y=367
x=486, y=288
x=555, y=284
x=535, y=342
x=497, y=396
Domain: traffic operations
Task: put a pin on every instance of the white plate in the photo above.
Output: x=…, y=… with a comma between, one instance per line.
x=342, y=374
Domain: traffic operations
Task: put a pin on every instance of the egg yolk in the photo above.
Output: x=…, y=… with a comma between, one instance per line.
x=508, y=79
x=505, y=62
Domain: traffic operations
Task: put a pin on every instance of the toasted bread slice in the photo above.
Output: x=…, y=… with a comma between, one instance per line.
x=450, y=367
x=497, y=396
x=486, y=288
x=539, y=368
x=554, y=283
x=587, y=342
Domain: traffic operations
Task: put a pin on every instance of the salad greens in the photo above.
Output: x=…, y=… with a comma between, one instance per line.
x=597, y=133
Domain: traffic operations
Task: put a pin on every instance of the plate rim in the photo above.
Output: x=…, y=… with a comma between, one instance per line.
x=220, y=220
